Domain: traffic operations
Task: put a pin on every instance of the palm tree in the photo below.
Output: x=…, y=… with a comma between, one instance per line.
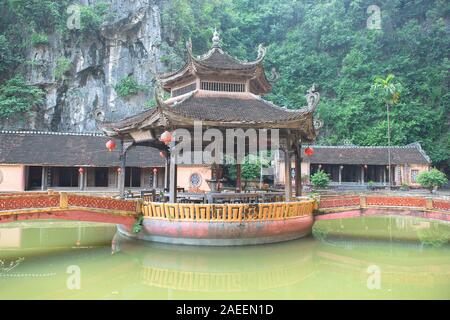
x=388, y=92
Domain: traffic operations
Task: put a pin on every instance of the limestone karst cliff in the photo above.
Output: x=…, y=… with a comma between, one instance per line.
x=129, y=44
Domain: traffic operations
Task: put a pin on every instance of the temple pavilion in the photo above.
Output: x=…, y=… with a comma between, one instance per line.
x=221, y=92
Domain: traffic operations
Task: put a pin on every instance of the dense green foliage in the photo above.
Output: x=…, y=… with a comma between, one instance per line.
x=128, y=87
x=320, y=179
x=26, y=23
x=325, y=42
x=63, y=65
x=17, y=96
x=432, y=179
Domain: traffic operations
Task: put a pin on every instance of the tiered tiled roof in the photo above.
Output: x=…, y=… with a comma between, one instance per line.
x=221, y=91
x=410, y=154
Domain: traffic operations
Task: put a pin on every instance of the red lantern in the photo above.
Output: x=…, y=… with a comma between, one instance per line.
x=162, y=154
x=166, y=137
x=81, y=170
x=309, y=151
x=111, y=145
x=155, y=171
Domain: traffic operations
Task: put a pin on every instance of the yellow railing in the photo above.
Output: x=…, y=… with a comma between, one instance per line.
x=227, y=212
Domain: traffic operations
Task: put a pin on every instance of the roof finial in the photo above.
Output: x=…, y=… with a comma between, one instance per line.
x=216, y=39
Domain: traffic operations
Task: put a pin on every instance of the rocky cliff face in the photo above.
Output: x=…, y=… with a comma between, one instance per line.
x=129, y=44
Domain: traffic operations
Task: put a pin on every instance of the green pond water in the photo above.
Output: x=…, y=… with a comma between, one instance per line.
x=361, y=258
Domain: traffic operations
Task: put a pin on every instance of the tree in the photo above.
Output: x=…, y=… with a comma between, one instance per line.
x=320, y=179
x=389, y=93
x=18, y=97
x=432, y=179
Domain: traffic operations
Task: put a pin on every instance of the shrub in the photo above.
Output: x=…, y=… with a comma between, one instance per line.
x=320, y=179
x=18, y=97
x=432, y=179
x=92, y=17
x=39, y=39
x=63, y=65
x=129, y=87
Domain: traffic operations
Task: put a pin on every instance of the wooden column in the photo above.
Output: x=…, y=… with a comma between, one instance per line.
x=173, y=178
x=124, y=146
x=44, y=179
x=287, y=174
x=238, y=177
x=81, y=180
x=298, y=170
x=155, y=179
x=340, y=174
x=166, y=173
x=362, y=174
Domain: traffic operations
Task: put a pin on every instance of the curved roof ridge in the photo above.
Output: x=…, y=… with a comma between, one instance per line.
x=54, y=133
x=299, y=111
x=363, y=147
x=261, y=54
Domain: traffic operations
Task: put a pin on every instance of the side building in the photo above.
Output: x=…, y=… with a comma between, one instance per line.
x=353, y=166
x=54, y=160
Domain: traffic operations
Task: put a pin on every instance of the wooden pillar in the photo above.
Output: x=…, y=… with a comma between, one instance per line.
x=44, y=179
x=340, y=174
x=298, y=170
x=166, y=173
x=362, y=174
x=173, y=178
x=123, y=161
x=81, y=180
x=238, y=177
x=287, y=174
x=155, y=179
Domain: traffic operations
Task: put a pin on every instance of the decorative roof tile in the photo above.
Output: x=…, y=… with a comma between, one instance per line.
x=69, y=149
x=410, y=154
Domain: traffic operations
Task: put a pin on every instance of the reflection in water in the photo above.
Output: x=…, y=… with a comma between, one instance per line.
x=336, y=267
x=392, y=228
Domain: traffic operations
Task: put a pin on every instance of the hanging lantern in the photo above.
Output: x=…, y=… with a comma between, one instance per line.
x=81, y=170
x=155, y=170
x=162, y=154
x=119, y=170
x=111, y=145
x=166, y=137
x=309, y=151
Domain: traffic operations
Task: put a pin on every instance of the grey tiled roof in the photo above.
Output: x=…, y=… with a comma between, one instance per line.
x=221, y=60
x=233, y=109
x=68, y=149
x=410, y=154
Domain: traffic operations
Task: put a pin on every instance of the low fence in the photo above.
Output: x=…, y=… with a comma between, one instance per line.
x=228, y=212
x=24, y=203
x=372, y=201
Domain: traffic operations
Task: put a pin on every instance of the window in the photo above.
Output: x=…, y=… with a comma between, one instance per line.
x=68, y=177
x=133, y=177
x=183, y=90
x=414, y=174
x=223, y=86
x=101, y=177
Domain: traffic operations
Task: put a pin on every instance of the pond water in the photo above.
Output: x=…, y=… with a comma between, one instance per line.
x=361, y=258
